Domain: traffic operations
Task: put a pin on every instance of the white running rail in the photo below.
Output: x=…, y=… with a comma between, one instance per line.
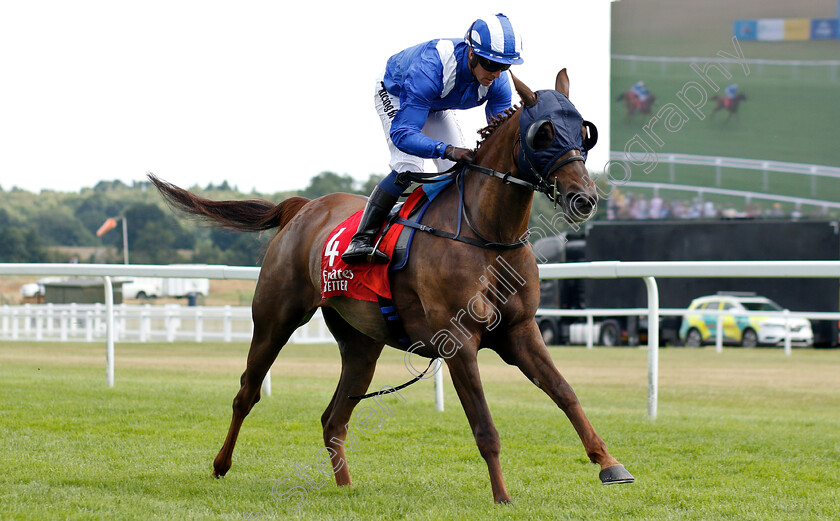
x=647, y=271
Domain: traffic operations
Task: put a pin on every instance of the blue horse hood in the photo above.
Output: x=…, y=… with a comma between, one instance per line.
x=556, y=108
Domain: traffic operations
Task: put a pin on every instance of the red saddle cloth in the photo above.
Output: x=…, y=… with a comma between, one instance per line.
x=360, y=281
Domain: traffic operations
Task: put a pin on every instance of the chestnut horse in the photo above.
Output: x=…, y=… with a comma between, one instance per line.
x=441, y=280
x=633, y=105
x=731, y=105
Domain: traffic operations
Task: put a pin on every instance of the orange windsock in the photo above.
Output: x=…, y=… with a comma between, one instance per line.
x=109, y=224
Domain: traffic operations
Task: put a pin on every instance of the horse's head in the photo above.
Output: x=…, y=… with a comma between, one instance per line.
x=553, y=143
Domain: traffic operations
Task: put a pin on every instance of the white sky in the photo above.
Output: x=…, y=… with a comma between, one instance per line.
x=263, y=94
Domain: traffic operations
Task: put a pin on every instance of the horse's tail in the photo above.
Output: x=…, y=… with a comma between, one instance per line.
x=253, y=215
x=620, y=97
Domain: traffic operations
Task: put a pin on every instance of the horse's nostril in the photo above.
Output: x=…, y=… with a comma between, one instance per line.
x=580, y=206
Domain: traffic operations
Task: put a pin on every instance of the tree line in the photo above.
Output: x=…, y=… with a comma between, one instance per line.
x=53, y=226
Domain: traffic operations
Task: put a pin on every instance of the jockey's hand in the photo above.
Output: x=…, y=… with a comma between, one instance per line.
x=459, y=155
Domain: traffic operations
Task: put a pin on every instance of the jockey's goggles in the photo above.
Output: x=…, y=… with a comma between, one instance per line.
x=491, y=66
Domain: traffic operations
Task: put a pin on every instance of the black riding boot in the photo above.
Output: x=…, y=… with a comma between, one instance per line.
x=376, y=211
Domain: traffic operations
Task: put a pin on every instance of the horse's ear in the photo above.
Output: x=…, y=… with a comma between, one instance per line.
x=561, y=84
x=529, y=99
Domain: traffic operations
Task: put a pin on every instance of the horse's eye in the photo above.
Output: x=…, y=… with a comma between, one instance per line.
x=544, y=136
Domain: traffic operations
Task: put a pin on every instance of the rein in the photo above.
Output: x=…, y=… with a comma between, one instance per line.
x=507, y=177
x=457, y=172
x=397, y=388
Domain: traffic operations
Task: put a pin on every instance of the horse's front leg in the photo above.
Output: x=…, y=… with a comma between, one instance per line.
x=528, y=352
x=463, y=368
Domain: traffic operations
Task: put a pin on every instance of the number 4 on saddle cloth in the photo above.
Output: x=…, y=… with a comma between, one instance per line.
x=370, y=281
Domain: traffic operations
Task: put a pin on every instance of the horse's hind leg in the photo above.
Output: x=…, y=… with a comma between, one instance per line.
x=528, y=352
x=271, y=332
x=358, y=363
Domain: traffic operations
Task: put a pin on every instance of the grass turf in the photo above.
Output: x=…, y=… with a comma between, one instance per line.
x=749, y=434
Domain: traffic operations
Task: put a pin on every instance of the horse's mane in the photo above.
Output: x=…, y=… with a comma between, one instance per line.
x=495, y=122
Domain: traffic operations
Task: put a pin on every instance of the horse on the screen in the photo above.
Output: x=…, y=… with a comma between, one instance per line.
x=728, y=104
x=634, y=104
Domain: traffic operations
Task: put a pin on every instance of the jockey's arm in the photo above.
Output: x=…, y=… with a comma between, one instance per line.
x=498, y=98
x=407, y=135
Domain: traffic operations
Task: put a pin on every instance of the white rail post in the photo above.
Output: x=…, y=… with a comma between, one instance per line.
x=109, y=331
x=141, y=326
x=590, y=331
x=266, y=385
x=39, y=324
x=653, y=346
x=89, y=325
x=6, y=310
x=199, y=327
x=74, y=318
x=98, y=314
x=63, y=325
x=170, y=323
x=27, y=319
x=787, y=332
x=49, y=325
x=15, y=330
x=226, y=328
x=438, y=369
x=719, y=334
x=122, y=324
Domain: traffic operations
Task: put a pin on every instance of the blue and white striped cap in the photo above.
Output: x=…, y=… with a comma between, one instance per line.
x=493, y=38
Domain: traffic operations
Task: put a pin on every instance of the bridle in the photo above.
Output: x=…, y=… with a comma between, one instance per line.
x=525, y=153
x=540, y=185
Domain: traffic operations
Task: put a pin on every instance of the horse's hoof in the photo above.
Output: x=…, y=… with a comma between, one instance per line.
x=616, y=474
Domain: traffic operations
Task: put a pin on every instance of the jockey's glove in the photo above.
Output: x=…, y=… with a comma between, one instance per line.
x=459, y=155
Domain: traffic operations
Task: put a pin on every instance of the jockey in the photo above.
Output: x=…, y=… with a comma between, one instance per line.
x=729, y=94
x=416, y=98
x=640, y=91
x=731, y=91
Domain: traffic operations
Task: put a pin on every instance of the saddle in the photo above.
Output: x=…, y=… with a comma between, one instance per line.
x=370, y=282
x=402, y=247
